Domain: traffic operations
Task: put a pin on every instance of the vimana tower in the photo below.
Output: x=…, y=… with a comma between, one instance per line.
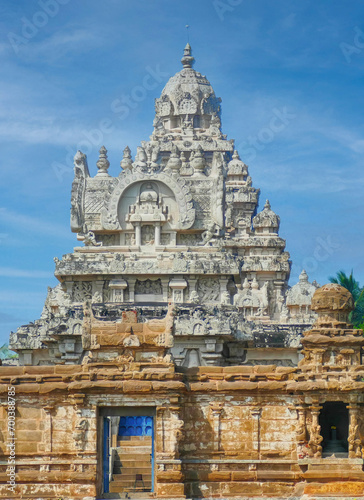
x=173, y=360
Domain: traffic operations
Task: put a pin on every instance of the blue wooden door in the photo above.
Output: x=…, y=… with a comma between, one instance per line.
x=136, y=426
x=106, y=454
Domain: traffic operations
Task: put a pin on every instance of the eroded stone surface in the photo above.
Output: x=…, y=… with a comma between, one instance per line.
x=179, y=301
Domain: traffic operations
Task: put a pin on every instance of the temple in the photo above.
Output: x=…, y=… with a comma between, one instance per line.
x=173, y=360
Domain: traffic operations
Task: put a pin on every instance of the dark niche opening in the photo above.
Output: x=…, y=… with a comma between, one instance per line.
x=334, y=421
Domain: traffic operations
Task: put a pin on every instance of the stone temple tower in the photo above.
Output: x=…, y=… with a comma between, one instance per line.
x=173, y=360
x=180, y=224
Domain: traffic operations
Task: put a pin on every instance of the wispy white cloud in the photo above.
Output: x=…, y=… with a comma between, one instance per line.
x=32, y=224
x=11, y=272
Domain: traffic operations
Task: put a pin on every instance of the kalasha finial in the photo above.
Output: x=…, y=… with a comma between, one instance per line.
x=187, y=59
x=127, y=162
x=103, y=163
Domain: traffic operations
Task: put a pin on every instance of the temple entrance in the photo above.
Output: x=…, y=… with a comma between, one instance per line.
x=334, y=421
x=128, y=452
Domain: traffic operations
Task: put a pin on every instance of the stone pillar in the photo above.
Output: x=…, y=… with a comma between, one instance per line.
x=48, y=410
x=164, y=282
x=301, y=433
x=157, y=234
x=173, y=241
x=314, y=444
x=192, y=282
x=138, y=234
x=176, y=425
x=160, y=432
x=131, y=289
x=27, y=357
x=168, y=434
x=354, y=441
x=216, y=408
x=255, y=413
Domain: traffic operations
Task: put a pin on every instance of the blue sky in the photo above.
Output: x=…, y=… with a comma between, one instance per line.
x=290, y=75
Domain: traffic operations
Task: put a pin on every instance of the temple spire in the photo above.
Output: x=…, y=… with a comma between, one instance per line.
x=187, y=59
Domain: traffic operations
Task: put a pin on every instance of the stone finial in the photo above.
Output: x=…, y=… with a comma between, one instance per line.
x=187, y=59
x=127, y=162
x=103, y=163
x=255, y=285
x=267, y=205
x=174, y=161
x=199, y=161
x=333, y=303
x=303, y=277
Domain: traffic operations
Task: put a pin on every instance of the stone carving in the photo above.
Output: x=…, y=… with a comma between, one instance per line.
x=189, y=239
x=212, y=232
x=148, y=287
x=109, y=216
x=208, y=289
x=107, y=239
x=299, y=299
x=315, y=448
x=254, y=301
x=266, y=220
x=187, y=177
x=82, y=290
x=194, y=297
x=226, y=298
x=355, y=444
x=103, y=163
x=165, y=239
x=147, y=234
x=127, y=162
x=118, y=264
x=79, y=434
x=88, y=238
x=131, y=341
x=229, y=392
x=78, y=191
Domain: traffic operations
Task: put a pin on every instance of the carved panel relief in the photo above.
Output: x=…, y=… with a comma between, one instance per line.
x=208, y=289
x=81, y=291
x=148, y=234
x=148, y=287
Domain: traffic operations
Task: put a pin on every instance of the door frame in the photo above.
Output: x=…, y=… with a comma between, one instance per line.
x=123, y=411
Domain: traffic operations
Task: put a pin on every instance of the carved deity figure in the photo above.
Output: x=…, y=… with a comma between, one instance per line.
x=355, y=444
x=79, y=434
x=315, y=441
x=212, y=231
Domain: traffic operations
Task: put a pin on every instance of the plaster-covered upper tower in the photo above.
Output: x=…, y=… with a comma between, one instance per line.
x=187, y=104
x=179, y=223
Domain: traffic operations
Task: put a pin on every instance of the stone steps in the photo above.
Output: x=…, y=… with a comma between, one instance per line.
x=133, y=456
x=124, y=469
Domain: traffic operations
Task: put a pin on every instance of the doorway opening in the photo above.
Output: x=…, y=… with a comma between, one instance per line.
x=334, y=421
x=128, y=452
